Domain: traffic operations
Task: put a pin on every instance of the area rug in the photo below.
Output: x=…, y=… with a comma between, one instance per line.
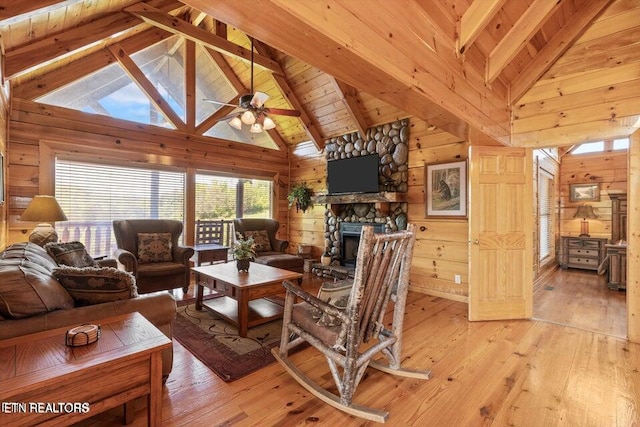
x=216, y=342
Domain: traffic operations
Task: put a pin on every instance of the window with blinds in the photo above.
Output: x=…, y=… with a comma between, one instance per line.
x=93, y=195
x=545, y=214
x=221, y=197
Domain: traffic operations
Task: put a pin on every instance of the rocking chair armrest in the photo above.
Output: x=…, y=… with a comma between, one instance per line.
x=315, y=301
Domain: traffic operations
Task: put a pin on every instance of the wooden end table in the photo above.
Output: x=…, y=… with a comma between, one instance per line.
x=243, y=303
x=45, y=382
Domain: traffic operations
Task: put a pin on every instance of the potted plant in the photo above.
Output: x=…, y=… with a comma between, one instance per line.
x=244, y=251
x=300, y=196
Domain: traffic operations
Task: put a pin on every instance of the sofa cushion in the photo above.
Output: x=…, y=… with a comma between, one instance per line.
x=154, y=247
x=72, y=254
x=27, y=289
x=95, y=285
x=260, y=238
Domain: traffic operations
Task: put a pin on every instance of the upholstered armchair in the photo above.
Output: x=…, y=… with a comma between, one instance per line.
x=149, y=249
x=269, y=249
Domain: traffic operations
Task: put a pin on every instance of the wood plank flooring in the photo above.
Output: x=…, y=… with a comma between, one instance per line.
x=500, y=373
x=580, y=298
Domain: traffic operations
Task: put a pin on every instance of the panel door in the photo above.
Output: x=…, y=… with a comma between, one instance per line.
x=501, y=233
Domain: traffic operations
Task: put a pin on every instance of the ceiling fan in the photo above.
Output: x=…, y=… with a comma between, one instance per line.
x=255, y=114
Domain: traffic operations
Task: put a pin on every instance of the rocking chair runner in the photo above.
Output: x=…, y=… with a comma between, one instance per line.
x=382, y=273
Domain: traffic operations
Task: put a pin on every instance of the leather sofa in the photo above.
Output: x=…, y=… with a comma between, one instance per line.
x=153, y=276
x=32, y=300
x=274, y=256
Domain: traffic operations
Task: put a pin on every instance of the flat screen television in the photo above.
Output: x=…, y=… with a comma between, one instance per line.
x=353, y=175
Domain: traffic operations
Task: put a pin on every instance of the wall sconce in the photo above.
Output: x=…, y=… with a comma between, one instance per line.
x=44, y=210
x=584, y=212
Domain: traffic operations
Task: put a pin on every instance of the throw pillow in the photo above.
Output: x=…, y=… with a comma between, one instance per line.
x=336, y=294
x=261, y=239
x=154, y=247
x=95, y=285
x=72, y=254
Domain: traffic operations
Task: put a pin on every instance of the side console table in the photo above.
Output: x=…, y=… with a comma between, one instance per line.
x=582, y=252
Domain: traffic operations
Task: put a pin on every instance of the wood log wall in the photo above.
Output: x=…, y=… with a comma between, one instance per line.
x=609, y=170
x=442, y=245
x=39, y=132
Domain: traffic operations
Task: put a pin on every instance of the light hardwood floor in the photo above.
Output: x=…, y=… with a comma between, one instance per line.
x=580, y=298
x=500, y=373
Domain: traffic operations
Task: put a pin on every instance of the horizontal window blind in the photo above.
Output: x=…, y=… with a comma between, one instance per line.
x=93, y=195
x=545, y=214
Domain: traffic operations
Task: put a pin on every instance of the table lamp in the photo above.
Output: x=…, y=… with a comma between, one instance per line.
x=584, y=212
x=44, y=210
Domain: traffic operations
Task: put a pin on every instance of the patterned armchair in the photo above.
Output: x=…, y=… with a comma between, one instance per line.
x=149, y=249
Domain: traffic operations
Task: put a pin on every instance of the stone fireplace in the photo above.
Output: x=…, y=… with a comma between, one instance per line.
x=350, y=240
x=344, y=219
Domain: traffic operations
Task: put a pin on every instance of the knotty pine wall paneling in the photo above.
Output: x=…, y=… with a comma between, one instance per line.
x=609, y=170
x=39, y=132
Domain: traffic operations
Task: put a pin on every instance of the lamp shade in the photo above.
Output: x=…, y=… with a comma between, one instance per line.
x=43, y=209
x=585, y=211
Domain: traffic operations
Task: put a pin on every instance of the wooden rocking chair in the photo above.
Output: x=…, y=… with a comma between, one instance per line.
x=382, y=273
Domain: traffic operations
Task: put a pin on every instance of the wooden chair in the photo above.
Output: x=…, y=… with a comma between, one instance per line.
x=382, y=274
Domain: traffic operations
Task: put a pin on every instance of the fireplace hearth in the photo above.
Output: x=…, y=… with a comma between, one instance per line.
x=350, y=240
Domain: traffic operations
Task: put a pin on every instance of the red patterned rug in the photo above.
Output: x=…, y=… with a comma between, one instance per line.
x=216, y=342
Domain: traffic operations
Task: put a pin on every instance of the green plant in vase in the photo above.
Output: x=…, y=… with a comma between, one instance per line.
x=244, y=251
x=300, y=196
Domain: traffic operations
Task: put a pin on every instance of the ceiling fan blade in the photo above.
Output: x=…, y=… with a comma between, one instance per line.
x=259, y=98
x=282, y=112
x=219, y=103
x=229, y=116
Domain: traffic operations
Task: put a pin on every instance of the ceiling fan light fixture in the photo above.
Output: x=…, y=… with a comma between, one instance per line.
x=256, y=128
x=268, y=124
x=236, y=123
x=248, y=118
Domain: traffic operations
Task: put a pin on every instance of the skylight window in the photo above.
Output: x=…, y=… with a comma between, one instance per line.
x=591, y=147
x=621, y=144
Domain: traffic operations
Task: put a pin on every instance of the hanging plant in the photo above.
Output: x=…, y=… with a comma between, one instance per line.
x=300, y=196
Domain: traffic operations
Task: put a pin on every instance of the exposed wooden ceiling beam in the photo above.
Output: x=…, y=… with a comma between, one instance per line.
x=556, y=47
x=18, y=10
x=227, y=71
x=474, y=20
x=42, y=52
x=307, y=122
x=215, y=117
x=175, y=25
x=348, y=95
x=146, y=86
x=371, y=59
x=522, y=31
x=190, y=84
x=86, y=65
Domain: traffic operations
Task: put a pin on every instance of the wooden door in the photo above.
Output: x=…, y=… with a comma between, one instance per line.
x=501, y=233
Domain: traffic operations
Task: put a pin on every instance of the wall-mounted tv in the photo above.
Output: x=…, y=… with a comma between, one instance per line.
x=353, y=175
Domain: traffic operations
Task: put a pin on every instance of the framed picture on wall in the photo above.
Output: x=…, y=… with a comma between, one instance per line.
x=446, y=190
x=584, y=192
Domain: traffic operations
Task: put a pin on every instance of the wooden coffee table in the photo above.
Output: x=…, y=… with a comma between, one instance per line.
x=46, y=382
x=243, y=303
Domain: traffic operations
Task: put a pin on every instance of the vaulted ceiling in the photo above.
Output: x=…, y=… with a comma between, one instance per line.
x=524, y=72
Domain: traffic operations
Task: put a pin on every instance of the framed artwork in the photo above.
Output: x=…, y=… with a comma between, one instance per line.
x=446, y=190
x=584, y=192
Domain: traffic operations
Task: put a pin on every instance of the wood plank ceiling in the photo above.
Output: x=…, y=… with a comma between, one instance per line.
x=470, y=67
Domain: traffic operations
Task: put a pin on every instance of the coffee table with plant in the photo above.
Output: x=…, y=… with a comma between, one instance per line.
x=244, y=251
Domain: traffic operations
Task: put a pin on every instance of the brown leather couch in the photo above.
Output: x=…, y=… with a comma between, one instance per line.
x=154, y=276
x=31, y=300
x=276, y=257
